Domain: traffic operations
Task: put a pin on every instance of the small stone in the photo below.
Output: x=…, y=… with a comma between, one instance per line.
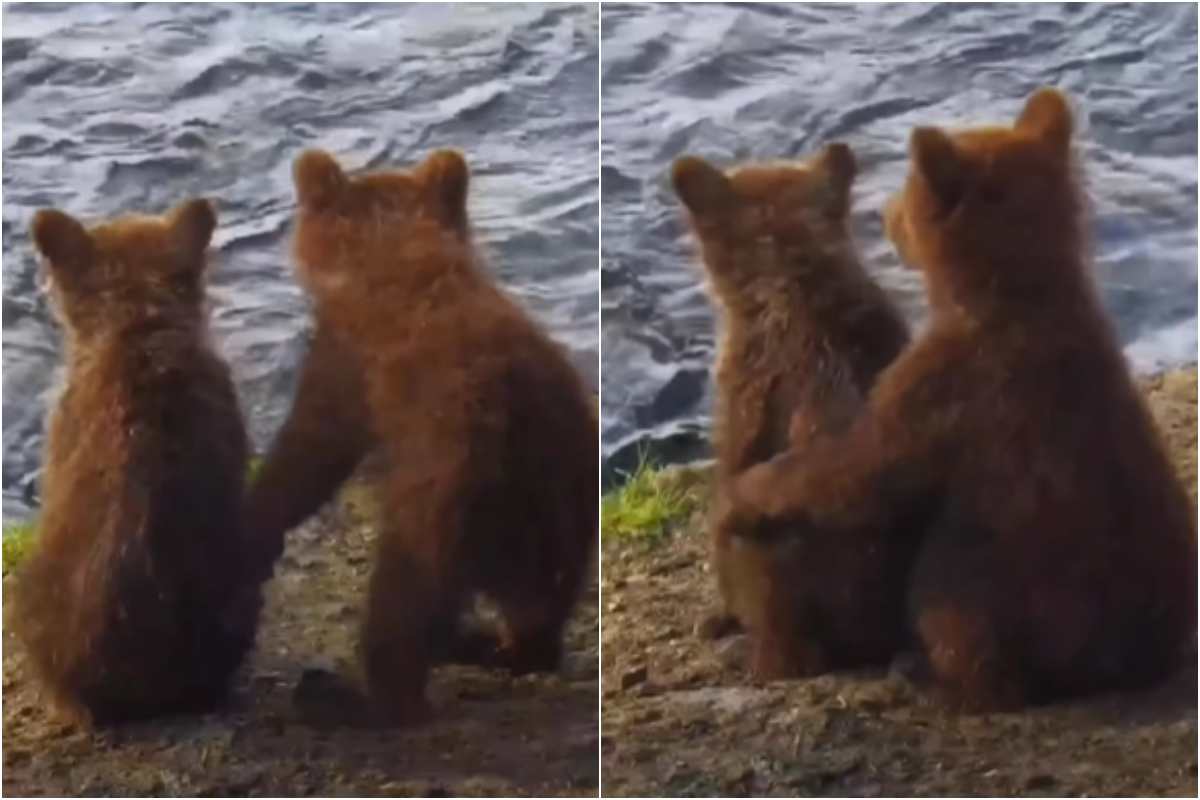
x=13, y=755
x=341, y=611
x=674, y=565
x=667, y=635
x=734, y=653
x=240, y=784
x=632, y=677
x=648, y=715
x=738, y=776
x=716, y=625
x=323, y=698
x=60, y=730
x=646, y=690
x=1040, y=781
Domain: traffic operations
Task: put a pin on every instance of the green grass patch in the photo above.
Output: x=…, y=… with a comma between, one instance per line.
x=651, y=503
x=18, y=542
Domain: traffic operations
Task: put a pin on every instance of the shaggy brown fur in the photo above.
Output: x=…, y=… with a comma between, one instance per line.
x=1062, y=559
x=324, y=438
x=805, y=333
x=488, y=433
x=133, y=603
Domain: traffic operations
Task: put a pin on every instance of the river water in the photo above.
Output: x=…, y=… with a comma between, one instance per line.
x=111, y=109
x=734, y=83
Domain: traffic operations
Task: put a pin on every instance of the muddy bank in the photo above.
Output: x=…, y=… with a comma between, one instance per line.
x=493, y=734
x=682, y=717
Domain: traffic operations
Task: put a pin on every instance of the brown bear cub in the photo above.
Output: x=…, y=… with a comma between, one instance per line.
x=805, y=333
x=1062, y=556
x=488, y=436
x=134, y=603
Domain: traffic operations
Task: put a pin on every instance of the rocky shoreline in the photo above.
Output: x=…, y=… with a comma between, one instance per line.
x=682, y=717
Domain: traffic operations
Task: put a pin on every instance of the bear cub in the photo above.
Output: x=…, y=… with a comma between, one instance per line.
x=1061, y=556
x=805, y=332
x=133, y=603
x=487, y=435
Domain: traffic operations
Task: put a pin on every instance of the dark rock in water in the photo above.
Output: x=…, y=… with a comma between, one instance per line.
x=189, y=140
x=682, y=391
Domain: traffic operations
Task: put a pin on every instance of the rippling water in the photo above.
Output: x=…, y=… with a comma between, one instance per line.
x=111, y=109
x=735, y=83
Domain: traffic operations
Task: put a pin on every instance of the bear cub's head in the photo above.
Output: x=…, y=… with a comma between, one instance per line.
x=130, y=269
x=364, y=228
x=990, y=207
x=767, y=220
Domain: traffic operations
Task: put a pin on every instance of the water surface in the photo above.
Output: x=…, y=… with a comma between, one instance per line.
x=110, y=109
x=736, y=83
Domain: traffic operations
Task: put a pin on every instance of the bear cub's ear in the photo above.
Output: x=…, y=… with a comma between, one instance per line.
x=838, y=168
x=445, y=174
x=703, y=188
x=61, y=239
x=937, y=160
x=1048, y=117
x=192, y=225
x=318, y=178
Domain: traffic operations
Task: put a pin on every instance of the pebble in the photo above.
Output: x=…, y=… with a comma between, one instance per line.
x=734, y=653
x=1040, y=781
x=632, y=677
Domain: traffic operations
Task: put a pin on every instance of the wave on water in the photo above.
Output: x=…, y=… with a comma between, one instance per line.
x=110, y=109
x=735, y=83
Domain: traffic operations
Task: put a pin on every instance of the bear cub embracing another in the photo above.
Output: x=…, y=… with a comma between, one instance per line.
x=1060, y=555
x=805, y=333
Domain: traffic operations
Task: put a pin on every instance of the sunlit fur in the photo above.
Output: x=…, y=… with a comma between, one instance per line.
x=487, y=432
x=133, y=603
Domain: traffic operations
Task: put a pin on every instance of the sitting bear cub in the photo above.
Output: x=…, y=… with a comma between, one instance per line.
x=805, y=333
x=1062, y=555
x=134, y=602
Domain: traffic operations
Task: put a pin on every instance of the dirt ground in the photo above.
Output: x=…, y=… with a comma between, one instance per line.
x=493, y=734
x=681, y=716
